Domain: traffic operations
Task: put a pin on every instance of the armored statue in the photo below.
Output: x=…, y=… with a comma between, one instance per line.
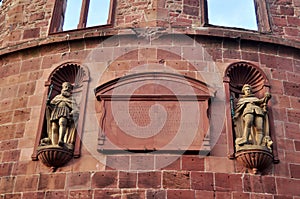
x=251, y=120
x=61, y=119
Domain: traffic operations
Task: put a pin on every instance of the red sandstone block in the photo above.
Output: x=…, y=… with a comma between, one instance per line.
x=276, y=62
x=149, y=180
x=280, y=114
x=11, y=156
x=133, y=194
x=107, y=194
x=52, y=181
x=79, y=180
x=283, y=197
x=127, y=179
x=238, y=195
x=291, y=88
x=295, y=102
x=280, y=20
x=297, y=145
x=293, y=116
x=147, y=53
x=82, y=194
x=287, y=10
x=293, y=21
x=19, y=102
x=12, y=196
x=164, y=162
x=250, y=56
x=200, y=194
x=26, y=89
x=186, y=194
x=156, y=194
x=5, y=169
x=292, y=131
x=292, y=157
x=222, y=195
x=31, y=64
x=176, y=180
x=7, y=133
x=8, y=145
x=21, y=115
x=261, y=196
x=278, y=74
x=295, y=170
x=142, y=163
x=26, y=183
x=192, y=163
x=56, y=195
x=6, y=117
x=190, y=10
x=31, y=33
x=37, y=16
x=202, y=181
x=9, y=91
x=286, y=186
x=259, y=184
x=105, y=179
x=228, y=182
x=291, y=31
x=34, y=195
x=7, y=184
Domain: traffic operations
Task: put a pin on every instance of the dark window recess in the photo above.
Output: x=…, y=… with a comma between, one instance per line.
x=79, y=14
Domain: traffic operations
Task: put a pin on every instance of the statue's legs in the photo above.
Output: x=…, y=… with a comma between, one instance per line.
x=62, y=130
x=259, y=130
x=248, y=123
x=54, y=137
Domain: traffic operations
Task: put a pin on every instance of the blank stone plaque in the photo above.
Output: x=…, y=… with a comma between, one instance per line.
x=153, y=112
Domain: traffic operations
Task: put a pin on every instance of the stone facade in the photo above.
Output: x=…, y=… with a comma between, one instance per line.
x=145, y=36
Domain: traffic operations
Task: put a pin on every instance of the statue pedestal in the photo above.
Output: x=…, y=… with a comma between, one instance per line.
x=256, y=158
x=54, y=156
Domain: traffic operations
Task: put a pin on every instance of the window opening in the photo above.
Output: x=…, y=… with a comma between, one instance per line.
x=97, y=15
x=232, y=13
x=72, y=15
x=77, y=14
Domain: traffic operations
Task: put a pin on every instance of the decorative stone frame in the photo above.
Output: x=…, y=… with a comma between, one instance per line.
x=76, y=74
x=236, y=75
x=105, y=95
x=262, y=16
x=59, y=12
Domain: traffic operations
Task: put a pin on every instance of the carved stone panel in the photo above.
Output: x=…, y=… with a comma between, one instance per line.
x=154, y=112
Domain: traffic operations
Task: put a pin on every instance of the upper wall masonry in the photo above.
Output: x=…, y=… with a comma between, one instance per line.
x=27, y=20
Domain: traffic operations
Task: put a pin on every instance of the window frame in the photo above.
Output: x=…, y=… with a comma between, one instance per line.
x=261, y=12
x=59, y=12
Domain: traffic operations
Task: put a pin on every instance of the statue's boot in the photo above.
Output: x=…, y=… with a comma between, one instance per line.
x=245, y=139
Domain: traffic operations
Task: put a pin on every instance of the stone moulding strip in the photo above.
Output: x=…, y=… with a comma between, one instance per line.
x=100, y=32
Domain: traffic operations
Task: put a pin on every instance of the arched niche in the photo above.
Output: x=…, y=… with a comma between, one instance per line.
x=78, y=76
x=236, y=75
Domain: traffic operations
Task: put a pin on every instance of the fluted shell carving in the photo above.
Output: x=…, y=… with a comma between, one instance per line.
x=243, y=73
x=54, y=156
x=255, y=159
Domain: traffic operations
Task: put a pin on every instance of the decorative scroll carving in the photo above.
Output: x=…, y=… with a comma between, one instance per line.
x=249, y=121
x=154, y=112
x=60, y=127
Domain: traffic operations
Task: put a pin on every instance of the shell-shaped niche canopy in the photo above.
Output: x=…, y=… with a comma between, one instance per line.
x=242, y=73
x=64, y=98
x=70, y=72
